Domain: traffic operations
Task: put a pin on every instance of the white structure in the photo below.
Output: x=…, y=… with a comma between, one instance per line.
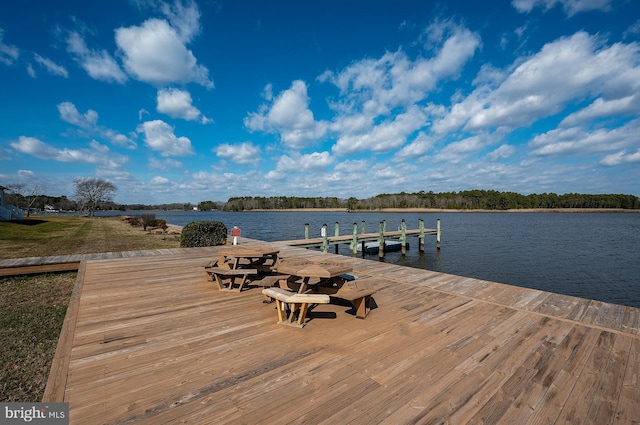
x=9, y=212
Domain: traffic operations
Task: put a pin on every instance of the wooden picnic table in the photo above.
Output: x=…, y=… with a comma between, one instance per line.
x=322, y=272
x=333, y=278
x=238, y=262
x=263, y=257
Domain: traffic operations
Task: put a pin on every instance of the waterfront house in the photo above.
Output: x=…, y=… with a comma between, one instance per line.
x=8, y=212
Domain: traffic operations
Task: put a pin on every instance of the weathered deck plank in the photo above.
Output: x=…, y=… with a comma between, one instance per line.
x=151, y=340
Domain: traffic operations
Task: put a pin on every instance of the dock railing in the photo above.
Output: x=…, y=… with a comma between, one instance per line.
x=355, y=239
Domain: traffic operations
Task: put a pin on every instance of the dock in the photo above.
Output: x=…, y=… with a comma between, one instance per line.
x=357, y=239
x=147, y=340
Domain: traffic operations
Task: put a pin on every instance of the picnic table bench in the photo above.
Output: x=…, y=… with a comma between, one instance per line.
x=358, y=291
x=289, y=303
x=226, y=277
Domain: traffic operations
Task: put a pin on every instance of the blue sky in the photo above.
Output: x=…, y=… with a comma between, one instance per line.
x=183, y=101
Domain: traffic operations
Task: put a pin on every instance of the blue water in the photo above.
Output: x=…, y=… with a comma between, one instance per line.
x=589, y=255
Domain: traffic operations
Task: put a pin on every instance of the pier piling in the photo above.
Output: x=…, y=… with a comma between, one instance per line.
x=381, y=239
x=403, y=237
x=354, y=243
x=354, y=239
x=325, y=238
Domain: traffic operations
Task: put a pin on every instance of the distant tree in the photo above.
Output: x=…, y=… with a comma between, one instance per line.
x=24, y=195
x=207, y=206
x=91, y=192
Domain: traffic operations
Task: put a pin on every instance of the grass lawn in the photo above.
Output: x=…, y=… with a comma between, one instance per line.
x=65, y=235
x=32, y=308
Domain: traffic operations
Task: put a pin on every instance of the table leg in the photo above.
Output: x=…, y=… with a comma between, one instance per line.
x=302, y=313
x=303, y=285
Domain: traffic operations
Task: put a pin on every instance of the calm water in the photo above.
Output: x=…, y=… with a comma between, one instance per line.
x=595, y=256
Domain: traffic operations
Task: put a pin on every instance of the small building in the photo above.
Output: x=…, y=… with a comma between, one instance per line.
x=9, y=212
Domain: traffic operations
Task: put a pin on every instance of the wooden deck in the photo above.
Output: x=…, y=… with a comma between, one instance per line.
x=149, y=340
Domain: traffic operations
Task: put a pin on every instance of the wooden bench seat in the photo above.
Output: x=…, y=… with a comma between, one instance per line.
x=279, y=280
x=294, y=303
x=357, y=291
x=226, y=277
x=272, y=280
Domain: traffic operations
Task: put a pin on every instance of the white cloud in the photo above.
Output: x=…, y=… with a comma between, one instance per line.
x=502, y=152
x=116, y=138
x=576, y=140
x=352, y=166
x=98, y=64
x=165, y=164
x=417, y=148
x=51, y=66
x=456, y=152
x=159, y=136
x=34, y=147
x=159, y=180
x=97, y=154
x=8, y=52
x=621, y=157
x=178, y=104
x=375, y=86
x=567, y=69
x=89, y=122
x=601, y=108
x=70, y=114
x=384, y=137
x=26, y=175
x=156, y=53
x=243, y=153
x=571, y=7
x=372, y=88
x=633, y=30
x=315, y=161
x=184, y=17
x=290, y=116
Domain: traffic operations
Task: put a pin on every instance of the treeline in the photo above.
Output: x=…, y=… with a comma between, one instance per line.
x=163, y=207
x=280, y=203
x=62, y=203
x=464, y=200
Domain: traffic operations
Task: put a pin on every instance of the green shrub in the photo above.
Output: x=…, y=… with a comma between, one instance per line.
x=203, y=233
x=146, y=219
x=157, y=223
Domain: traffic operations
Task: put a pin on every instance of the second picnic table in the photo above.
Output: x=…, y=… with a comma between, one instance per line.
x=323, y=272
x=240, y=261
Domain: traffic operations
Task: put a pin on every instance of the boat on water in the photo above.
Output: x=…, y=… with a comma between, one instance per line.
x=389, y=246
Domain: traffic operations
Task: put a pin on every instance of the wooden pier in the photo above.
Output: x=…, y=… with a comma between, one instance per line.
x=147, y=340
x=355, y=239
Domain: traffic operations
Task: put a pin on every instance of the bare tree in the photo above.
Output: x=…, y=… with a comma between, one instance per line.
x=24, y=195
x=90, y=192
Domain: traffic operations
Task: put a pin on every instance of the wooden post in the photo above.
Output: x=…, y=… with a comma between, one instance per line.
x=381, y=240
x=325, y=238
x=354, y=242
x=363, y=228
x=421, y=237
x=438, y=233
x=336, y=232
x=306, y=230
x=403, y=237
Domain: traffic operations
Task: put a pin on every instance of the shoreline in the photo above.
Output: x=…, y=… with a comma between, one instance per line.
x=449, y=210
